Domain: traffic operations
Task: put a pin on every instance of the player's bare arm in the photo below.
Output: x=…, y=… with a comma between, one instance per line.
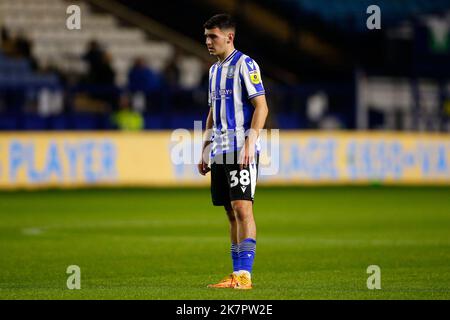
x=203, y=167
x=258, y=121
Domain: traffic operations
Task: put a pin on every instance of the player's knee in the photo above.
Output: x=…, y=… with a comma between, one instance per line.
x=243, y=215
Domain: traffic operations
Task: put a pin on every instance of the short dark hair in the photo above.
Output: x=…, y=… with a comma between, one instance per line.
x=221, y=21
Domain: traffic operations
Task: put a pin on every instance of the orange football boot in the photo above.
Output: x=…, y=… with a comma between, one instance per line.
x=227, y=282
x=243, y=282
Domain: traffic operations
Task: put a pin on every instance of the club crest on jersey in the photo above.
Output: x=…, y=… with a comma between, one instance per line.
x=230, y=72
x=254, y=77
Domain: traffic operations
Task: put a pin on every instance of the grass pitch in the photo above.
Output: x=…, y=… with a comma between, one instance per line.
x=313, y=243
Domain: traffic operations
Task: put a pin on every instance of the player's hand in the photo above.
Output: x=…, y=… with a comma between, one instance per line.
x=247, y=155
x=203, y=168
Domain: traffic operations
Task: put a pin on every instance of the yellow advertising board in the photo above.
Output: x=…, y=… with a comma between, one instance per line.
x=362, y=158
x=73, y=159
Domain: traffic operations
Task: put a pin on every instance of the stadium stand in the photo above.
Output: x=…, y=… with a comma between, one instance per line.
x=61, y=50
x=48, y=80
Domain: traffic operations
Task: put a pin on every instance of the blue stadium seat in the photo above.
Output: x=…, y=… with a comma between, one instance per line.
x=8, y=122
x=154, y=121
x=288, y=121
x=34, y=122
x=14, y=66
x=185, y=121
x=105, y=122
x=58, y=122
x=84, y=121
x=341, y=13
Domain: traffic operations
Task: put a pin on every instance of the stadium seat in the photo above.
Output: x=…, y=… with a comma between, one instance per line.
x=8, y=122
x=288, y=121
x=105, y=122
x=154, y=121
x=84, y=121
x=34, y=122
x=185, y=121
x=58, y=122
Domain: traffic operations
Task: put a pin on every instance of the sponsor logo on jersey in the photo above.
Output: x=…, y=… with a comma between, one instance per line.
x=222, y=93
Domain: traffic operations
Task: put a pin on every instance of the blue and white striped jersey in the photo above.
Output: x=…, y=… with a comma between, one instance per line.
x=232, y=83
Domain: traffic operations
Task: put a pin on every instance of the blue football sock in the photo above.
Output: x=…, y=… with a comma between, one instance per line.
x=235, y=256
x=247, y=254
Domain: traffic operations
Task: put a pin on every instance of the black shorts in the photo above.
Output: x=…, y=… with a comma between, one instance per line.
x=229, y=182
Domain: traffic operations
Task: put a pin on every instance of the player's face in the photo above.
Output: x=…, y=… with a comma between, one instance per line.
x=217, y=41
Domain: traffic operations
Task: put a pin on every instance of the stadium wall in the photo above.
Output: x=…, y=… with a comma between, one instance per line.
x=87, y=159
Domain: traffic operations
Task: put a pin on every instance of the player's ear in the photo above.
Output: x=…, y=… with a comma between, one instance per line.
x=230, y=37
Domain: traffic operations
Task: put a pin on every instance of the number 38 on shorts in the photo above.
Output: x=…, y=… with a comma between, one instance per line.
x=229, y=182
x=243, y=181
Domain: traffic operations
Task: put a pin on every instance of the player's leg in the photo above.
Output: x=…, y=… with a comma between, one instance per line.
x=245, y=220
x=247, y=241
x=220, y=197
x=230, y=280
x=242, y=189
x=233, y=223
x=233, y=237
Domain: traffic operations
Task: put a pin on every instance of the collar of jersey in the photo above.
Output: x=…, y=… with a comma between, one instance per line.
x=230, y=56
